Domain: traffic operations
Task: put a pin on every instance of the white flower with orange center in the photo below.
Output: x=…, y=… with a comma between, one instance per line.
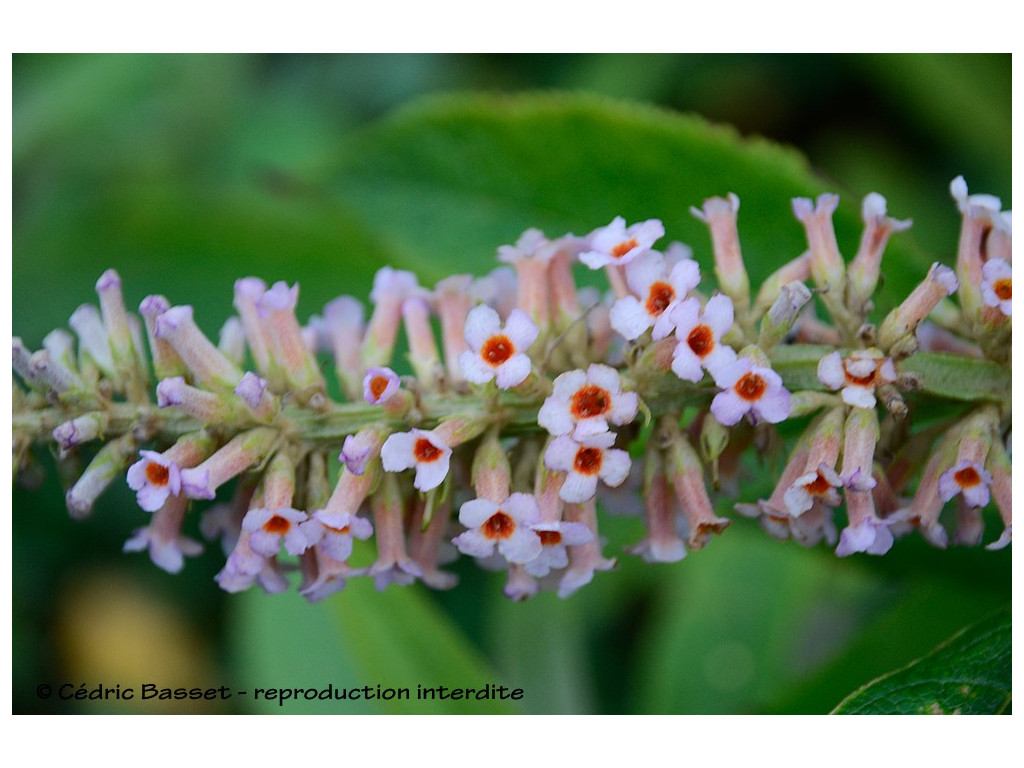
x=495, y=352
x=554, y=538
x=585, y=463
x=699, y=333
x=332, y=532
x=857, y=375
x=583, y=403
x=749, y=389
x=819, y=485
x=657, y=290
x=380, y=385
x=154, y=478
x=268, y=528
x=619, y=244
x=969, y=478
x=997, y=285
x=505, y=526
x=421, y=449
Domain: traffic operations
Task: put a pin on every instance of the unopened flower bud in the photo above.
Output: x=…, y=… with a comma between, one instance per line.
x=167, y=363
x=390, y=289
x=720, y=216
x=796, y=271
x=276, y=310
x=207, y=364
x=904, y=319
x=231, y=341
x=80, y=430
x=344, y=325
x=93, y=339
x=119, y=333
x=109, y=464
x=865, y=269
x=783, y=314
x=207, y=407
x=491, y=470
x=245, y=450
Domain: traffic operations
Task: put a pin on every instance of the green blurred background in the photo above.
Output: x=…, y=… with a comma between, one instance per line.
x=186, y=172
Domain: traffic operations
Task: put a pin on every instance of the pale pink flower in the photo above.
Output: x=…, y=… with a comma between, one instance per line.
x=872, y=536
x=858, y=375
x=505, y=526
x=585, y=558
x=495, y=352
x=997, y=285
x=380, y=385
x=618, y=244
x=818, y=485
x=554, y=538
x=749, y=389
x=269, y=528
x=163, y=539
x=658, y=288
x=585, y=462
x=969, y=478
x=154, y=478
x=421, y=449
x=333, y=532
x=583, y=403
x=699, y=333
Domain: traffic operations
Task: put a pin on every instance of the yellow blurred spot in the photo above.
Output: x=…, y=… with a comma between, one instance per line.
x=111, y=631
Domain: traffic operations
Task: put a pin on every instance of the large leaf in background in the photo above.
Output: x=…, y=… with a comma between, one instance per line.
x=394, y=639
x=453, y=177
x=968, y=675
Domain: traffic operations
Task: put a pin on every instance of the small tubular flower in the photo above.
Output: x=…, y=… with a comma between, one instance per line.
x=583, y=403
x=617, y=244
x=495, y=352
x=554, y=538
x=154, y=478
x=585, y=462
x=857, y=375
x=656, y=292
x=167, y=547
x=720, y=214
x=333, y=532
x=997, y=285
x=663, y=544
x=380, y=385
x=586, y=558
x=269, y=528
x=699, y=333
x=968, y=478
x=420, y=449
x=390, y=289
x=207, y=364
x=157, y=476
x=530, y=257
x=866, y=532
x=506, y=526
x=749, y=389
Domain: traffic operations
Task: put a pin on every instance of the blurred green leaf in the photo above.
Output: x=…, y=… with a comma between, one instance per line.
x=453, y=177
x=395, y=639
x=739, y=623
x=541, y=646
x=967, y=675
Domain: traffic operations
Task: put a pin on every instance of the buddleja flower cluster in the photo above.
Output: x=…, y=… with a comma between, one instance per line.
x=532, y=401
